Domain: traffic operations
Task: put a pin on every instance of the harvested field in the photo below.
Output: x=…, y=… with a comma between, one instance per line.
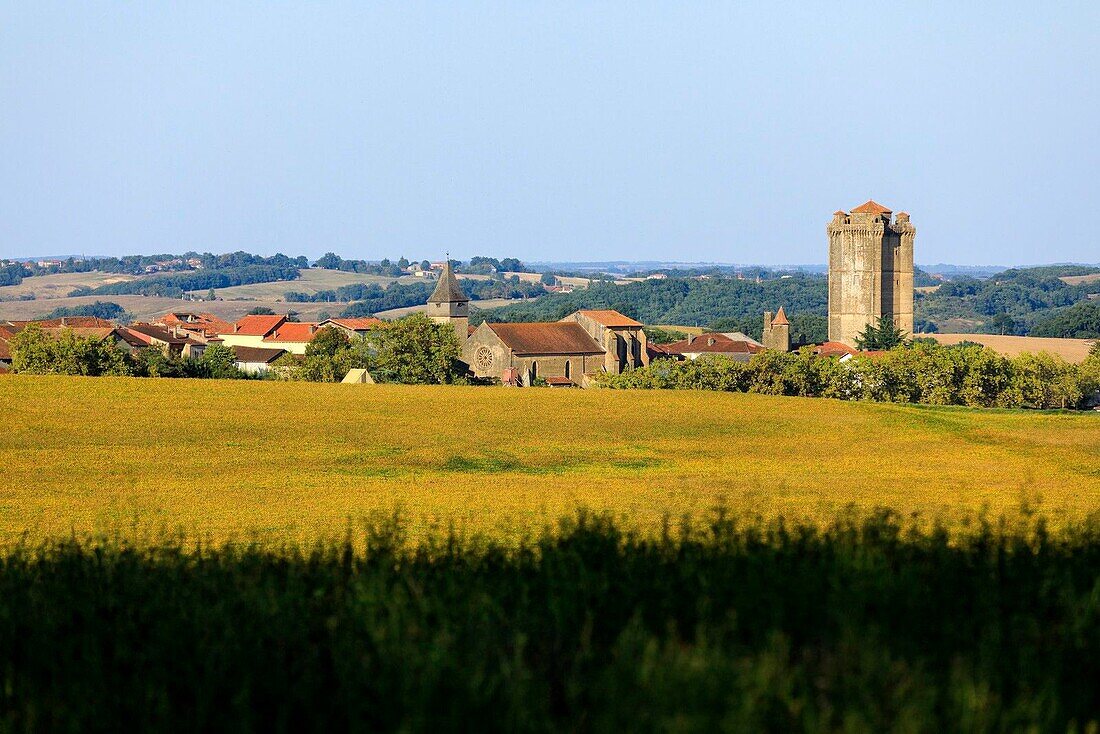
x=1072, y=350
x=299, y=460
x=144, y=308
x=311, y=281
x=60, y=285
x=1079, y=279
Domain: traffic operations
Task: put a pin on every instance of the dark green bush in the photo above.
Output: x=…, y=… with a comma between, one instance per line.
x=865, y=625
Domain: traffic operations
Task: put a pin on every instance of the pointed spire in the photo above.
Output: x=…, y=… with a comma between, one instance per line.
x=447, y=289
x=780, y=318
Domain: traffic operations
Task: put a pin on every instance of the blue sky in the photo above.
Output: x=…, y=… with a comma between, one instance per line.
x=548, y=131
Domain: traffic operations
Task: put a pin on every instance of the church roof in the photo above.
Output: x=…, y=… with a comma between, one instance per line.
x=447, y=289
x=780, y=318
x=558, y=337
x=871, y=207
x=609, y=317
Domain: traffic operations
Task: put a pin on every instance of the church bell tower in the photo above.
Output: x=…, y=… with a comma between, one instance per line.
x=449, y=305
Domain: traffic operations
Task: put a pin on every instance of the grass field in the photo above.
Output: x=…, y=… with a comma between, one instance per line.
x=293, y=460
x=60, y=285
x=143, y=308
x=311, y=281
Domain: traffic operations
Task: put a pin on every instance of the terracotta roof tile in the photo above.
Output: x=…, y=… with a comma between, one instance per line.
x=833, y=349
x=871, y=207
x=293, y=331
x=561, y=337
x=257, y=325
x=357, y=324
x=610, y=318
x=780, y=318
x=713, y=344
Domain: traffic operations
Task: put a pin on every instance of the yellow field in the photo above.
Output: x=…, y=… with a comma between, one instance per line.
x=222, y=458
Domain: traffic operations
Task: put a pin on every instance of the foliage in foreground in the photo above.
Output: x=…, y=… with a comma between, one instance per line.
x=921, y=372
x=36, y=353
x=865, y=625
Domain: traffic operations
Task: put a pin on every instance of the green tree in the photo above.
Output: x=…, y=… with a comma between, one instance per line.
x=261, y=311
x=220, y=362
x=36, y=352
x=328, y=342
x=211, y=295
x=548, y=279
x=881, y=336
x=416, y=350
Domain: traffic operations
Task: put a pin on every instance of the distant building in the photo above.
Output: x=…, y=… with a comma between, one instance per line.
x=622, y=338
x=256, y=360
x=735, y=345
x=171, y=340
x=525, y=352
x=353, y=327
x=777, y=331
x=448, y=304
x=870, y=270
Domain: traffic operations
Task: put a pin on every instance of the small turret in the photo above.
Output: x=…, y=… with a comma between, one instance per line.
x=777, y=331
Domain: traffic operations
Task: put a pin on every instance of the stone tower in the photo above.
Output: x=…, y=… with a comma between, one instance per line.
x=777, y=331
x=449, y=305
x=870, y=271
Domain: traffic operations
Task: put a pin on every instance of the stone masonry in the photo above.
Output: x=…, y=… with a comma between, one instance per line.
x=870, y=270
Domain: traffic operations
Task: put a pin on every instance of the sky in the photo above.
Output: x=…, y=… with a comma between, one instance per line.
x=725, y=132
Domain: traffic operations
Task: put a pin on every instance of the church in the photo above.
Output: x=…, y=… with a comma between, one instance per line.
x=561, y=353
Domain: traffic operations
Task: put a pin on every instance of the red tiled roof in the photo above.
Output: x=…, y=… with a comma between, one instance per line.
x=149, y=332
x=293, y=331
x=780, y=318
x=608, y=317
x=357, y=324
x=833, y=349
x=712, y=344
x=89, y=332
x=76, y=322
x=871, y=207
x=256, y=325
x=561, y=337
x=208, y=323
x=257, y=355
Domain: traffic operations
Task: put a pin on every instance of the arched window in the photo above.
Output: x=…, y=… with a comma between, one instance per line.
x=567, y=369
x=534, y=371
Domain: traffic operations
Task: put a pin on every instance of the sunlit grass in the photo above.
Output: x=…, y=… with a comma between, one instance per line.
x=224, y=459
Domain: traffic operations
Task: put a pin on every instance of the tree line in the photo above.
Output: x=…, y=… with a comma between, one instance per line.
x=174, y=285
x=922, y=371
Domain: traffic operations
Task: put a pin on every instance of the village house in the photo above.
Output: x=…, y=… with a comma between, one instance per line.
x=734, y=345
x=170, y=340
x=354, y=327
x=256, y=360
x=250, y=330
x=206, y=326
x=293, y=336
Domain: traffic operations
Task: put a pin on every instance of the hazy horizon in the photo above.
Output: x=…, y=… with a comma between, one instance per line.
x=553, y=133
